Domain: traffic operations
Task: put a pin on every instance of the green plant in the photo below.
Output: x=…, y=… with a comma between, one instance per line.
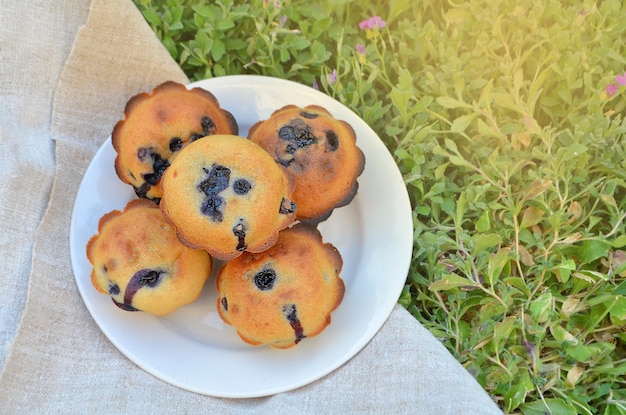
x=506, y=119
x=213, y=38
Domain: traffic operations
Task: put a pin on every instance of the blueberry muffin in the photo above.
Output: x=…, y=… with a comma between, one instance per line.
x=157, y=125
x=138, y=260
x=225, y=194
x=319, y=150
x=283, y=295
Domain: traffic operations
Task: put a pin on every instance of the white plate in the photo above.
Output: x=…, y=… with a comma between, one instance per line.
x=192, y=348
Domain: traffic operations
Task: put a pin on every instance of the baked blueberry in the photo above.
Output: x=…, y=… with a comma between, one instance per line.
x=264, y=280
x=224, y=194
x=176, y=144
x=217, y=180
x=285, y=294
x=287, y=207
x=239, y=230
x=241, y=186
x=290, y=312
x=158, y=125
x=332, y=141
x=319, y=150
x=148, y=269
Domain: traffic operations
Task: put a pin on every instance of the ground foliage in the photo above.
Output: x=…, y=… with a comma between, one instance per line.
x=506, y=119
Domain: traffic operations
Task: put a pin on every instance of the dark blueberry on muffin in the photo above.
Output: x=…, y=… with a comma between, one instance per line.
x=320, y=151
x=285, y=294
x=157, y=125
x=225, y=194
x=140, y=263
x=264, y=280
x=292, y=317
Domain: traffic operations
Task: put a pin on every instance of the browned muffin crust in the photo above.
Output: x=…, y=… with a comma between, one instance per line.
x=319, y=150
x=285, y=294
x=139, y=262
x=225, y=194
x=157, y=125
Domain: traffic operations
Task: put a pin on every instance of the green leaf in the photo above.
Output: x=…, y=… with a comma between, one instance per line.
x=584, y=353
x=619, y=242
x=436, y=189
x=217, y=50
x=423, y=210
x=506, y=101
x=615, y=369
x=483, y=224
x=448, y=205
x=548, y=406
x=504, y=329
x=620, y=289
x=591, y=276
x=152, y=17
x=449, y=282
x=177, y=13
x=459, y=161
x=518, y=283
x=486, y=130
x=400, y=100
x=449, y=102
x=422, y=104
x=562, y=335
x=297, y=42
x=618, y=311
x=451, y=145
x=497, y=263
x=517, y=393
x=460, y=124
x=458, y=15
x=204, y=11
x=572, y=151
x=405, y=80
x=591, y=250
x=455, y=159
x=224, y=25
x=483, y=241
x=397, y=8
x=610, y=200
x=541, y=306
x=564, y=269
x=176, y=26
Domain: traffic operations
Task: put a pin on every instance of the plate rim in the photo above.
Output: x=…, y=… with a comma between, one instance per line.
x=349, y=353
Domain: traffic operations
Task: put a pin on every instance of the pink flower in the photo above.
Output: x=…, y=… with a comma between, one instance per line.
x=360, y=49
x=621, y=79
x=332, y=78
x=611, y=89
x=375, y=22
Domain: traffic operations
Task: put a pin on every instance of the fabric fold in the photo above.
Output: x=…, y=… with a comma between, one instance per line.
x=62, y=363
x=29, y=70
x=115, y=56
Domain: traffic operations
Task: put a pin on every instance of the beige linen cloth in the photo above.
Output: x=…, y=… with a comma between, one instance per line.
x=67, y=69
